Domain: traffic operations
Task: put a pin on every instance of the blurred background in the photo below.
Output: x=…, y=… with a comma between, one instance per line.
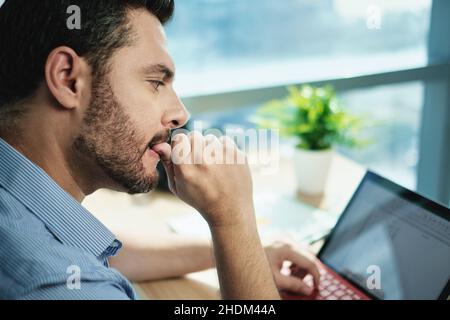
x=388, y=60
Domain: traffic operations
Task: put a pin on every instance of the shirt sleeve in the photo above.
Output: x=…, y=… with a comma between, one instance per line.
x=88, y=291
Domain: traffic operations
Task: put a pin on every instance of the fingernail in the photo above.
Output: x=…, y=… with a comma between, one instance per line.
x=176, y=138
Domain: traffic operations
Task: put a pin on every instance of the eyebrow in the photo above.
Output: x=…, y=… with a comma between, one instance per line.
x=168, y=74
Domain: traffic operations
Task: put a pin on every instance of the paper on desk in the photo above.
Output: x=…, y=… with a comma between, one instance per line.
x=280, y=214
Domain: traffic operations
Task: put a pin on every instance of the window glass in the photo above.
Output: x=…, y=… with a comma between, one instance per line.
x=223, y=45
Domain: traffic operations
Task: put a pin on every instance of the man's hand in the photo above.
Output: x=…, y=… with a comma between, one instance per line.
x=212, y=175
x=301, y=263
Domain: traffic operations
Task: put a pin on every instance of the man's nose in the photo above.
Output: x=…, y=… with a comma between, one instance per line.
x=177, y=115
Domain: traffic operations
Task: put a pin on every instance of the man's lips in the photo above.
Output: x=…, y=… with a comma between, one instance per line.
x=153, y=153
x=159, y=147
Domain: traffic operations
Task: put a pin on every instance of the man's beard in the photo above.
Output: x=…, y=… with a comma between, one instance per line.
x=109, y=138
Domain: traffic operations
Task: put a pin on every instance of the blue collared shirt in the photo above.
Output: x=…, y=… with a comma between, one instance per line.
x=50, y=246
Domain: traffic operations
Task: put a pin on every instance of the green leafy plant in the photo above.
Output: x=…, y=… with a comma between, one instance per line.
x=312, y=115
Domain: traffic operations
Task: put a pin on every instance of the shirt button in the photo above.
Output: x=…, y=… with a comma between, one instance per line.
x=115, y=244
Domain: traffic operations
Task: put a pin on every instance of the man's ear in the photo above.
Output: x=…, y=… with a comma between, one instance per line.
x=66, y=76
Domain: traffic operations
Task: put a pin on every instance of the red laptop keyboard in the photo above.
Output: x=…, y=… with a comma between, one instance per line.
x=332, y=287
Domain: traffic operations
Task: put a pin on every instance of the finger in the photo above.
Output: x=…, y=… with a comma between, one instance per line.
x=211, y=139
x=164, y=150
x=181, y=150
x=212, y=151
x=197, y=146
x=297, y=272
x=231, y=150
x=292, y=284
x=307, y=263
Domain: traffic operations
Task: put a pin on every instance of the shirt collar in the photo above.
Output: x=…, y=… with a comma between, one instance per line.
x=65, y=217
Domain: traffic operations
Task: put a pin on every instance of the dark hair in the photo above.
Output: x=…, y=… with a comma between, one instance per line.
x=31, y=29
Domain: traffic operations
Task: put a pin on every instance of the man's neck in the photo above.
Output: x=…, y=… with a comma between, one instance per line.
x=49, y=155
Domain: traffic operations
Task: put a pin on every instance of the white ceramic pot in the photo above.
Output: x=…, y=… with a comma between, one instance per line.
x=312, y=169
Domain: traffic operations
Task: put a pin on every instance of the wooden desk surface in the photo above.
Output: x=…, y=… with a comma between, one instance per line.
x=145, y=213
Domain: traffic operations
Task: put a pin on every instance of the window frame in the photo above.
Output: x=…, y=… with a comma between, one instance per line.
x=434, y=158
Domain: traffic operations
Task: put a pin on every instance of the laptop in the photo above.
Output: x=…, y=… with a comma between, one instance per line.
x=390, y=244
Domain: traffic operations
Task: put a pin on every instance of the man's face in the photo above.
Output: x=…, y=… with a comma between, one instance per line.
x=133, y=108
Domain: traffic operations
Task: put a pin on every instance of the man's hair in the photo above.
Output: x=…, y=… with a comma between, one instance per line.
x=31, y=29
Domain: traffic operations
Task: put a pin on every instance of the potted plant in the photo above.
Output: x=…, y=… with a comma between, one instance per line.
x=315, y=119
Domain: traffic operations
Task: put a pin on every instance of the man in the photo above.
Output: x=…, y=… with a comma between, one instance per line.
x=89, y=108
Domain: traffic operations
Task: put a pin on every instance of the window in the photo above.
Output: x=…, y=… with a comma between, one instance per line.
x=228, y=45
x=394, y=112
x=233, y=55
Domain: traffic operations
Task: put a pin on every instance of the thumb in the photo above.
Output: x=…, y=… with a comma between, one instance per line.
x=293, y=285
x=164, y=150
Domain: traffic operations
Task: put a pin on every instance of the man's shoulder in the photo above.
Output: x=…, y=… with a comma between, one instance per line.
x=31, y=255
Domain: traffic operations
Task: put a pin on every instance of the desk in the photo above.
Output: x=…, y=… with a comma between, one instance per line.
x=144, y=213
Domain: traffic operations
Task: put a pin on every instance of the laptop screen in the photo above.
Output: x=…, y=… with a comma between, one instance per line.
x=391, y=242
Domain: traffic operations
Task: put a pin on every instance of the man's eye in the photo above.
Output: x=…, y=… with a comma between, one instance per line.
x=156, y=84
